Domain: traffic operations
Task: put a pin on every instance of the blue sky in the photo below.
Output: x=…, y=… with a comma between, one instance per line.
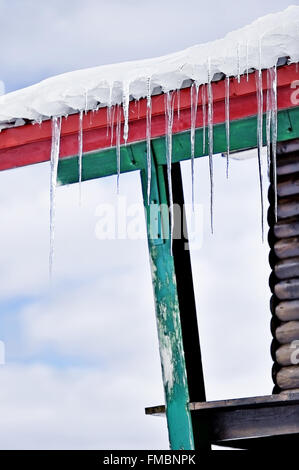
x=82, y=358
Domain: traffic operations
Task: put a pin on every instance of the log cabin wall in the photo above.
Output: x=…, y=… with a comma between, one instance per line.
x=284, y=260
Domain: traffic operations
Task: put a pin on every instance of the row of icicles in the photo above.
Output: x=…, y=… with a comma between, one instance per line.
x=114, y=114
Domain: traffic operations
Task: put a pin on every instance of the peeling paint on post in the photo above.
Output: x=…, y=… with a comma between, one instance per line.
x=168, y=321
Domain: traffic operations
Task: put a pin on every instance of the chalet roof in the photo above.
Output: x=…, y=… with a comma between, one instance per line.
x=258, y=45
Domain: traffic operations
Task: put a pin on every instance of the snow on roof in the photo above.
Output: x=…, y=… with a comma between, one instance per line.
x=258, y=45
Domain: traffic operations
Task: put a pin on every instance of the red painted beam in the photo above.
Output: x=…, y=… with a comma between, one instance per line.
x=31, y=144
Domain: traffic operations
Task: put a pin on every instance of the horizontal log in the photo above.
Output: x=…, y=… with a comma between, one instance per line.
x=288, y=186
x=288, y=311
x=287, y=228
x=288, y=378
x=287, y=147
x=287, y=268
x=275, y=345
x=287, y=332
x=287, y=247
x=284, y=355
x=287, y=290
x=288, y=164
x=274, y=324
x=288, y=207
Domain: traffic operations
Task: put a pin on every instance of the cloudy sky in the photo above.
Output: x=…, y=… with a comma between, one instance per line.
x=82, y=357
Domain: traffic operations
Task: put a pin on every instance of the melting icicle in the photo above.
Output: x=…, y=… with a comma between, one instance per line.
x=148, y=137
x=268, y=119
x=179, y=102
x=238, y=62
x=112, y=115
x=247, y=61
x=118, y=130
x=80, y=150
x=259, y=92
x=109, y=109
x=56, y=127
x=169, y=124
x=194, y=101
x=86, y=99
x=126, y=103
x=210, y=135
x=203, y=100
x=273, y=73
x=227, y=122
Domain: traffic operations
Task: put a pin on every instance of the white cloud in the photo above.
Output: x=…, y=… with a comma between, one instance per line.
x=42, y=408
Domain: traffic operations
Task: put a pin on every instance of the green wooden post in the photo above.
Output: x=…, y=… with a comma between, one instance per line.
x=167, y=313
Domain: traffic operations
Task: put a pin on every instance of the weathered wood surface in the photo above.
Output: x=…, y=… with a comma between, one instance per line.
x=287, y=311
x=288, y=185
x=287, y=247
x=284, y=354
x=287, y=228
x=233, y=422
x=287, y=290
x=284, y=260
x=254, y=418
x=289, y=207
x=288, y=378
x=287, y=332
x=288, y=165
x=287, y=268
x=261, y=401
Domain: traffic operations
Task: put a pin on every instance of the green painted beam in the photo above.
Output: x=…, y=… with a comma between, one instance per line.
x=243, y=136
x=167, y=313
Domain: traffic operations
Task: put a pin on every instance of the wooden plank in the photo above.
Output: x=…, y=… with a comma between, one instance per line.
x=255, y=402
x=133, y=157
x=30, y=144
x=173, y=365
x=248, y=418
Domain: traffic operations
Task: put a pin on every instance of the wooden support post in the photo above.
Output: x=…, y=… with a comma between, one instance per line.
x=171, y=313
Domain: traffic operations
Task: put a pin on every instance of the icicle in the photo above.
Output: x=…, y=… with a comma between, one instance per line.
x=148, y=137
x=108, y=112
x=169, y=123
x=179, y=102
x=227, y=122
x=138, y=109
x=203, y=100
x=109, y=109
x=273, y=73
x=259, y=92
x=210, y=134
x=56, y=127
x=118, y=130
x=193, y=101
x=268, y=120
x=126, y=103
x=112, y=115
x=80, y=150
x=247, y=61
x=86, y=95
x=238, y=62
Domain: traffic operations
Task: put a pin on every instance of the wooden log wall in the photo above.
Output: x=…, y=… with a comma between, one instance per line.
x=284, y=260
